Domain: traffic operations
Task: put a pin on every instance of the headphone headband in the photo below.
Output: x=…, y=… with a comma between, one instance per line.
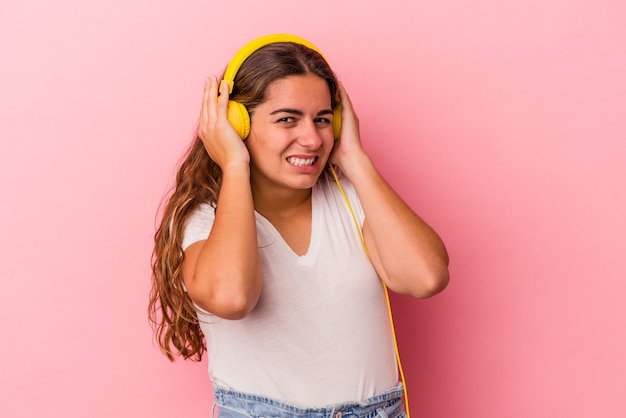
x=237, y=112
x=256, y=44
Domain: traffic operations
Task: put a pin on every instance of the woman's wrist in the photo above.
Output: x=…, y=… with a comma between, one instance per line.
x=236, y=168
x=356, y=166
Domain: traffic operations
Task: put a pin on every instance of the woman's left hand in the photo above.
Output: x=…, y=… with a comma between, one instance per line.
x=348, y=147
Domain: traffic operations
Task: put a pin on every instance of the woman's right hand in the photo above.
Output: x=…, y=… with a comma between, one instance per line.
x=220, y=139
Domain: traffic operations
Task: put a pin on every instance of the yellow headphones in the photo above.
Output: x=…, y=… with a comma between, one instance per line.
x=237, y=112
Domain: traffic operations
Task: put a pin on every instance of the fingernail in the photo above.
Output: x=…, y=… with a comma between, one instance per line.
x=226, y=84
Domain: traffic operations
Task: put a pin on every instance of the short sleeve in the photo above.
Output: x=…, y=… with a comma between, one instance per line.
x=198, y=225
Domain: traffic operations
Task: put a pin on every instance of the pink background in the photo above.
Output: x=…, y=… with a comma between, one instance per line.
x=501, y=122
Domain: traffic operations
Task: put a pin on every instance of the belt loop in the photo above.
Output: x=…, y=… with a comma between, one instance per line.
x=381, y=413
x=213, y=409
x=332, y=413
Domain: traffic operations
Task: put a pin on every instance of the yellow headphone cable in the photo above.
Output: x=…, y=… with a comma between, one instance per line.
x=393, y=329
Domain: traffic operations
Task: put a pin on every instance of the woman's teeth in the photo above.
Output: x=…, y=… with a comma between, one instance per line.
x=301, y=161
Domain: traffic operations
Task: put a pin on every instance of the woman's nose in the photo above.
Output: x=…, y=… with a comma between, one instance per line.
x=309, y=135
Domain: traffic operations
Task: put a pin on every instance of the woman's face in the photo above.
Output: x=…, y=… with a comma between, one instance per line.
x=291, y=134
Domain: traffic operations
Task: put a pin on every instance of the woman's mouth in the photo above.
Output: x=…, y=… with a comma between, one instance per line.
x=302, y=162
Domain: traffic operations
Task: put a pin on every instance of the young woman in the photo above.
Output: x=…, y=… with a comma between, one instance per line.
x=258, y=261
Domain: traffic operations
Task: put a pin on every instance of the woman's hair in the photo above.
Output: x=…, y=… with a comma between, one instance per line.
x=170, y=310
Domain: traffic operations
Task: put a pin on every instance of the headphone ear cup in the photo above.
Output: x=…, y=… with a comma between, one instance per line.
x=239, y=118
x=337, y=121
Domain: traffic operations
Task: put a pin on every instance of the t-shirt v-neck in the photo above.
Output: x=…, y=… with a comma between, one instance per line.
x=312, y=249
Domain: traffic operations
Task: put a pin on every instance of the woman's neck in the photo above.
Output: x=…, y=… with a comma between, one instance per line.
x=281, y=203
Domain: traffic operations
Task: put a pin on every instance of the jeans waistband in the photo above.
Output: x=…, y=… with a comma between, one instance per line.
x=238, y=404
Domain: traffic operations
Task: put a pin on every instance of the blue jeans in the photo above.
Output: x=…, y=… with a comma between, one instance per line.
x=233, y=404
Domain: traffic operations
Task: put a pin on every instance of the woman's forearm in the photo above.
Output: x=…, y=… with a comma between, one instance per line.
x=226, y=277
x=409, y=255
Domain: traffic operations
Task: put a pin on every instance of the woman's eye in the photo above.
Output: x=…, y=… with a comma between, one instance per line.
x=322, y=121
x=287, y=119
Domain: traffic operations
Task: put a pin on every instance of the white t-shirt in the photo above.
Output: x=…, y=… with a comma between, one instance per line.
x=320, y=332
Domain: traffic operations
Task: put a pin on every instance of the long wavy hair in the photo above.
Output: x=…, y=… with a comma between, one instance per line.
x=171, y=312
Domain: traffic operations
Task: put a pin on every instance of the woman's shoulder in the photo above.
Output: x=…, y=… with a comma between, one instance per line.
x=198, y=224
x=337, y=192
x=201, y=212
